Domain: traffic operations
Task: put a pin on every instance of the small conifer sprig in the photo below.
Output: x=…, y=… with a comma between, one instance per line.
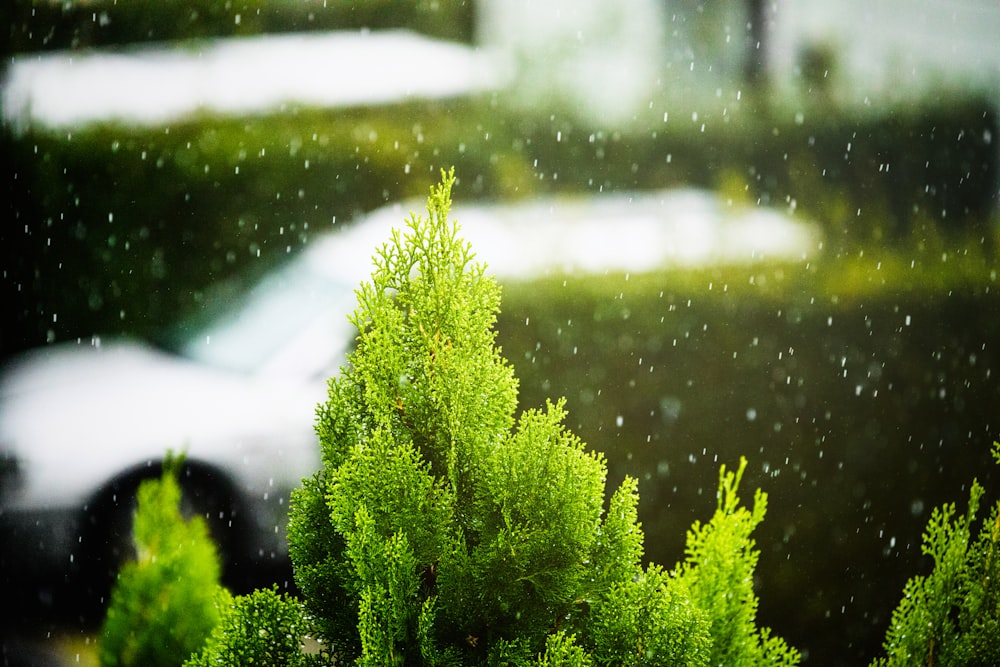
x=718, y=570
x=952, y=615
x=264, y=627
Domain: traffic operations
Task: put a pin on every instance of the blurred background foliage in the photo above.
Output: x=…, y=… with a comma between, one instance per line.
x=120, y=229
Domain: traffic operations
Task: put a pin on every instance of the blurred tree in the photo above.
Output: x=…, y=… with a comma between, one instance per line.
x=162, y=607
x=755, y=68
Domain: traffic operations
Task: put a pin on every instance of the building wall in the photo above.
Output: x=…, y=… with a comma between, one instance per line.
x=633, y=59
x=887, y=51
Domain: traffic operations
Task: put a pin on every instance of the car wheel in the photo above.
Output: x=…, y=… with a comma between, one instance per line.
x=106, y=542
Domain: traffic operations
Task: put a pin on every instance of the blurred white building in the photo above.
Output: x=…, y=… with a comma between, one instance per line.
x=887, y=51
x=615, y=61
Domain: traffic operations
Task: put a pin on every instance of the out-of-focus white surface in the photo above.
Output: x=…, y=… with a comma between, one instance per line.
x=629, y=232
x=156, y=84
x=77, y=416
x=889, y=51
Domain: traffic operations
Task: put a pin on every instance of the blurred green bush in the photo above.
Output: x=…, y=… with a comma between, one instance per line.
x=163, y=604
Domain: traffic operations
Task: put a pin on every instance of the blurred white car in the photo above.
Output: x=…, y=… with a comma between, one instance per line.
x=81, y=424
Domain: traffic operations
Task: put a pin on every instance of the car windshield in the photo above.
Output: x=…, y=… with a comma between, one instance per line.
x=281, y=325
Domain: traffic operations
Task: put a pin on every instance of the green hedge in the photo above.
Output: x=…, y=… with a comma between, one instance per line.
x=121, y=229
x=863, y=391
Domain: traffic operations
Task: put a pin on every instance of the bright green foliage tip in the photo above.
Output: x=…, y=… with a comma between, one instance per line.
x=719, y=568
x=163, y=605
x=951, y=617
x=444, y=530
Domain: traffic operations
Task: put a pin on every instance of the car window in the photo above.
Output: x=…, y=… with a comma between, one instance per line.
x=293, y=321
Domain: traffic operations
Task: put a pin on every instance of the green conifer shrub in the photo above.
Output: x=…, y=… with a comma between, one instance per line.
x=951, y=617
x=444, y=530
x=162, y=606
x=264, y=627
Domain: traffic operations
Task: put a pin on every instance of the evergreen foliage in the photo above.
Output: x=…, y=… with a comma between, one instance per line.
x=162, y=607
x=262, y=628
x=443, y=530
x=719, y=570
x=951, y=616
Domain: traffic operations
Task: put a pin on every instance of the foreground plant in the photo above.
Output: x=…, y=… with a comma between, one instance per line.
x=443, y=530
x=952, y=615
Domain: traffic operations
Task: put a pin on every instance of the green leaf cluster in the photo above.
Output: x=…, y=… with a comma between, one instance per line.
x=162, y=607
x=445, y=530
x=263, y=628
x=952, y=615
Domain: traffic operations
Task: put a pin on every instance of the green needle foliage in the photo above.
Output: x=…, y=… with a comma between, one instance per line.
x=162, y=607
x=262, y=628
x=719, y=570
x=952, y=616
x=443, y=530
